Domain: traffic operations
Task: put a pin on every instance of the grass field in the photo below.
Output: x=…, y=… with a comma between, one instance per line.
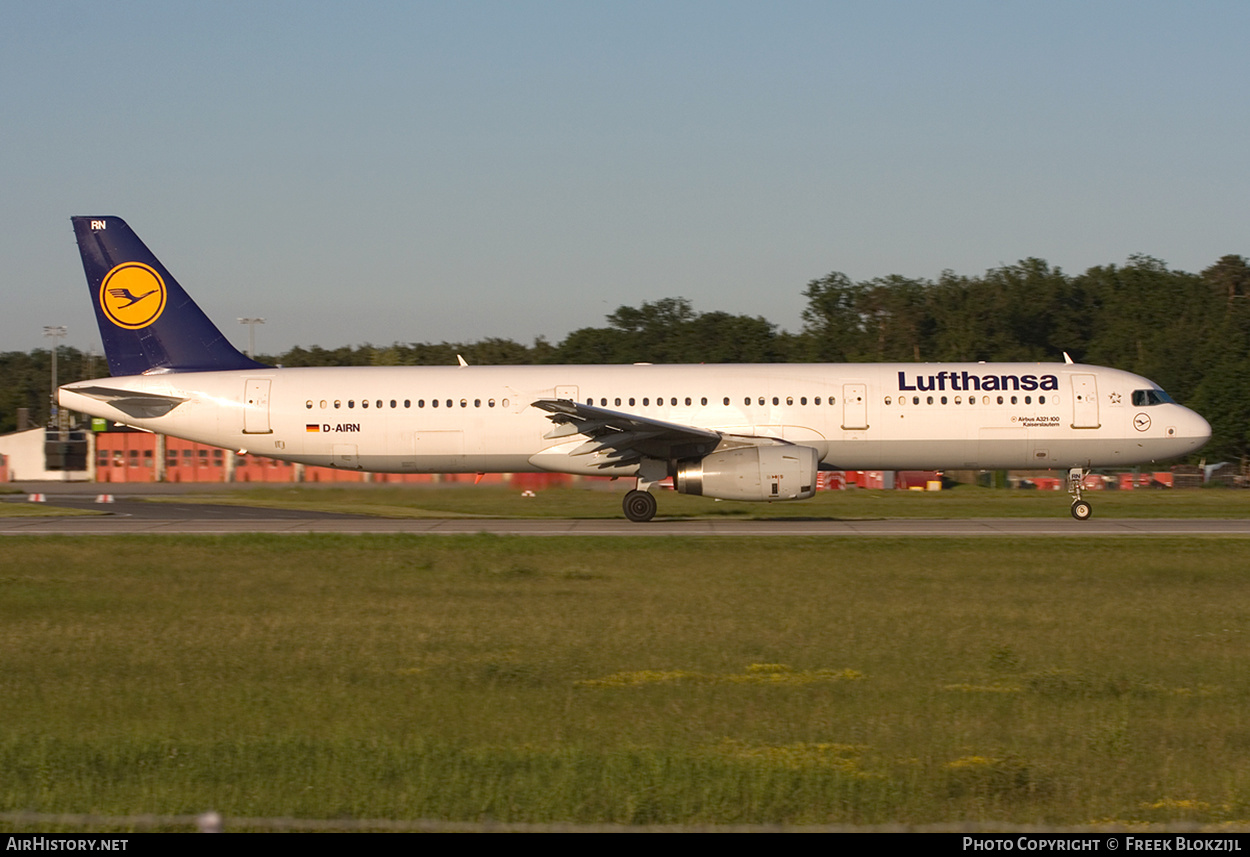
x=607, y=680
x=11, y=509
x=965, y=501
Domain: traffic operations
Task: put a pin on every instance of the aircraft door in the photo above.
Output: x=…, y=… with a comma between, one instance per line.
x=256, y=406
x=854, y=407
x=1085, y=401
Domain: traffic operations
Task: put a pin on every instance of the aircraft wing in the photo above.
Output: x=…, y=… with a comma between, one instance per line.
x=130, y=402
x=624, y=438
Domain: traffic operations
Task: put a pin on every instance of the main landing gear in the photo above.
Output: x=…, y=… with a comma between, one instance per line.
x=1081, y=510
x=639, y=506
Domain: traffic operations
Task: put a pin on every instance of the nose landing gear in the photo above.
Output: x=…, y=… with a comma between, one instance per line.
x=1081, y=509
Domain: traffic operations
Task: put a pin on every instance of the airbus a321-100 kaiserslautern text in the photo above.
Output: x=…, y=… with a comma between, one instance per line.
x=734, y=432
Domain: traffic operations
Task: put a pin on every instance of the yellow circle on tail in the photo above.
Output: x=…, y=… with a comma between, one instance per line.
x=132, y=295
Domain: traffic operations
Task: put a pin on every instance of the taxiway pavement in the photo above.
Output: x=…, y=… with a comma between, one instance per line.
x=136, y=517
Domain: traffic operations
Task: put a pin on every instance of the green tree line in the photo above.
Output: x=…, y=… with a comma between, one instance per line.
x=1188, y=332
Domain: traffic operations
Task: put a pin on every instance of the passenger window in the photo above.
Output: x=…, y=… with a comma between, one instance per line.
x=673, y=401
x=1000, y=400
x=433, y=403
x=449, y=403
x=616, y=402
x=631, y=401
x=703, y=401
x=1014, y=400
x=380, y=403
x=803, y=400
x=930, y=400
x=1028, y=400
x=915, y=400
x=687, y=401
x=776, y=401
x=420, y=403
x=726, y=400
x=504, y=403
x=490, y=403
x=816, y=400
x=645, y=401
x=477, y=403
x=887, y=400
x=323, y=404
x=944, y=400
x=761, y=400
x=308, y=404
x=1041, y=400
x=392, y=403
x=959, y=400
x=464, y=403
x=789, y=400
x=351, y=403
x=364, y=403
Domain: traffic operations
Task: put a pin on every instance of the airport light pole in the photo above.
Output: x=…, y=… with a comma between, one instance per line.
x=251, y=334
x=56, y=332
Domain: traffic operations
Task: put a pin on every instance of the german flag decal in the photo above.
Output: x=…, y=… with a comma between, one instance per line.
x=312, y=427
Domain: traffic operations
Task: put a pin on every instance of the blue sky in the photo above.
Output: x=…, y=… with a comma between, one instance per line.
x=383, y=172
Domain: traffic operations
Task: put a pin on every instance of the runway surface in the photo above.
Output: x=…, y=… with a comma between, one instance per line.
x=136, y=517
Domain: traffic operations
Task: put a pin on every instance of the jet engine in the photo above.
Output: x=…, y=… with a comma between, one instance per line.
x=780, y=472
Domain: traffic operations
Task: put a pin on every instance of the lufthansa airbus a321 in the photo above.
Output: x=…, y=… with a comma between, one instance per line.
x=734, y=432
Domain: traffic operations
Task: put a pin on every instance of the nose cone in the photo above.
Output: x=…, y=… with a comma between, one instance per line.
x=1194, y=428
x=1204, y=431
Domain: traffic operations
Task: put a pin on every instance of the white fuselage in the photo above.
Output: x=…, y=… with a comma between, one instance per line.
x=480, y=418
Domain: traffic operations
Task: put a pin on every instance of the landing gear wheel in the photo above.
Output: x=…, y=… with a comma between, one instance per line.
x=1081, y=510
x=639, y=506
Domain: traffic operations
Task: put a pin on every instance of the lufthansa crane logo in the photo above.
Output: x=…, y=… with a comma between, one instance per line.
x=132, y=295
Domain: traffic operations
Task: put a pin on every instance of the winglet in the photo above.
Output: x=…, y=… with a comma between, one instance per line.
x=147, y=322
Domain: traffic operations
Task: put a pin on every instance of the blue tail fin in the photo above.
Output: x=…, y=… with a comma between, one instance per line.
x=146, y=320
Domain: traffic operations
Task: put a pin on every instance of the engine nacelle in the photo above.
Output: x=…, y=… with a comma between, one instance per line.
x=780, y=472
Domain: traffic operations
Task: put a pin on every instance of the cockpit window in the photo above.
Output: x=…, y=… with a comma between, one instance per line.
x=1145, y=398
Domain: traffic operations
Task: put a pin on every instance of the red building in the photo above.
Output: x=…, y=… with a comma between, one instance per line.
x=137, y=456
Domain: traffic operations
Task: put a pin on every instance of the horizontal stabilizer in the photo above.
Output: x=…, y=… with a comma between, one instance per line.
x=143, y=405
